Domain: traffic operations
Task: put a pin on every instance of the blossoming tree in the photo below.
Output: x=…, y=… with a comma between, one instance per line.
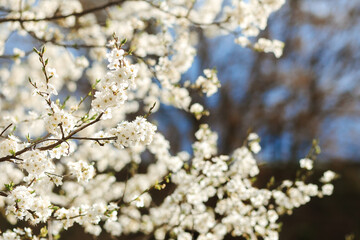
x=67, y=159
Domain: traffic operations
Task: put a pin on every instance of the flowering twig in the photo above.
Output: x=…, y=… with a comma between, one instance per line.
x=51, y=146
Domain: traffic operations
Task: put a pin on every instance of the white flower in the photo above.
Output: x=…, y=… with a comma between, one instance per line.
x=306, y=163
x=52, y=72
x=57, y=118
x=139, y=131
x=242, y=41
x=254, y=144
x=210, y=84
x=114, y=228
x=82, y=170
x=266, y=45
x=8, y=147
x=18, y=54
x=196, y=108
x=328, y=176
x=114, y=58
x=327, y=189
x=36, y=162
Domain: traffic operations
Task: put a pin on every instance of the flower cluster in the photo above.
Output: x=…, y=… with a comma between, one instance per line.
x=113, y=89
x=306, y=163
x=59, y=122
x=82, y=170
x=36, y=163
x=8, y=146
x=25, y=205
x=18, y=234
x=266, y=45
x=84, y=214
x=208, y=84
x=57, y=164
x=245, y=210
x=139, y=131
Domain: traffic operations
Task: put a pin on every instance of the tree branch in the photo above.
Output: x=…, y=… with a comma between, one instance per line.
x=32, y=146
x=5, y=129
x=75, y=14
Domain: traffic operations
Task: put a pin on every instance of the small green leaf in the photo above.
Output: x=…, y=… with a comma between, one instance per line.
x=43, y=232
x=9, y=186
x=35, y=50
x=54, y=208
x=271, y=182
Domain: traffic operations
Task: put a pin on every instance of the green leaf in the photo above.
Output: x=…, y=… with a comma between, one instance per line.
x=271, y=182
x=9, y=186
x=12, y=152
x=43, y=232
x=54, y=208
x=28, y=137
x=35, y=50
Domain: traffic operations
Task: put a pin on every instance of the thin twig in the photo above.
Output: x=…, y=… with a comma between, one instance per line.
x=6, y=129
x=32, y=146
x=4, y=194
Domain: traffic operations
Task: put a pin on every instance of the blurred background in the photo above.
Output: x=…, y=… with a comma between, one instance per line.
x=311, y=92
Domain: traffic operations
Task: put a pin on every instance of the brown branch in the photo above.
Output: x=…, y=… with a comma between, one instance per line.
x=217, y=23
x=14, y=55
x=75, y=14
x=95, y=139
x=32, y=146
x=4, y=194
x=5, y=129
x=71, y=134
x=62, y=44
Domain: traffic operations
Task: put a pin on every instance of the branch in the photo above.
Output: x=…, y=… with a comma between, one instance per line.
x=4, y=194
x=75, y=14
x=95, y=139
x=71, y=134
x=5, y=129
x=62, y=44
x=199, y=24
x=32, y=146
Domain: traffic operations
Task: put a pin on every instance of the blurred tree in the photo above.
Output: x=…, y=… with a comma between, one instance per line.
x=311, y=92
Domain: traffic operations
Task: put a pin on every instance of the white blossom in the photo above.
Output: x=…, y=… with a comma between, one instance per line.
x=327, y=189
x=81, y=161
x=328, y=176
x=82, y=170
x=306, y=163
x=274, y=46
